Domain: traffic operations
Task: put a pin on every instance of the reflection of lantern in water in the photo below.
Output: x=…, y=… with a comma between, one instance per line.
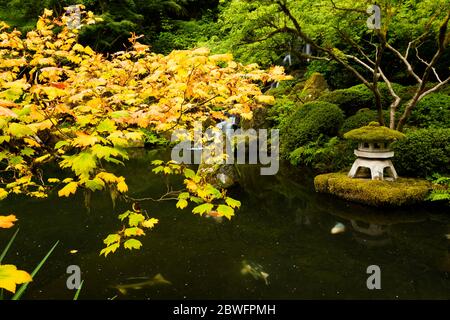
x=373, y=235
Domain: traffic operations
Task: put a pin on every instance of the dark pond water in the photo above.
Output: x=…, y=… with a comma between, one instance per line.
x=283, y=226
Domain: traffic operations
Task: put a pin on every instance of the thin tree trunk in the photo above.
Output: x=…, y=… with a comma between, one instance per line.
x=410, y=105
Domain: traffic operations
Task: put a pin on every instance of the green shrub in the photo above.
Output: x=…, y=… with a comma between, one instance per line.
x=350, y=100
x=282, y=109
x=362, y=118
x=307, y=123
x=336, y=74
x=441, y=189
x=445, y=90
x=423, y=152
x=324, y=155
x=358, y=97
x=432, y=111
x=284, y=88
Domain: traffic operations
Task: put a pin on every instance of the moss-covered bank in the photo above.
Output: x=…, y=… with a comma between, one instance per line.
x=404, y=191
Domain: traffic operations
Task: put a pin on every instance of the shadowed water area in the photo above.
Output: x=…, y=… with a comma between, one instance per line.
x=282, y=229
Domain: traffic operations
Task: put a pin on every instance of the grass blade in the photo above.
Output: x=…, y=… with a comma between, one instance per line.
x=78, y=291
x=23, y=287
x=5, y=251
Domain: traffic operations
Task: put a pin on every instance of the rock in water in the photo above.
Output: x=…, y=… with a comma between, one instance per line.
x=338, y=228
x=220, y=176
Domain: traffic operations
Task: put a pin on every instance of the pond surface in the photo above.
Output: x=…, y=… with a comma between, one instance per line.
x=282, y=229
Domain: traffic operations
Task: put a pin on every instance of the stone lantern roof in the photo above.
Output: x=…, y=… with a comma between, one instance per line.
x=374, y=133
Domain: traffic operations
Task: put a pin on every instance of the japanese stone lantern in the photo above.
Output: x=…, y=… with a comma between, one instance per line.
x=374, y=154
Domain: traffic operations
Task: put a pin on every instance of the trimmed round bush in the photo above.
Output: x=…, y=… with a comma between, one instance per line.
x=360, y=97
x=350, y=100
x=432, y=111
x=362, y=118
x=309, y=122
x=423, y=152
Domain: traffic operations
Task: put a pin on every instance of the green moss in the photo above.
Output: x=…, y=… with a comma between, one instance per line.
x=374, y=133
x=404, y=191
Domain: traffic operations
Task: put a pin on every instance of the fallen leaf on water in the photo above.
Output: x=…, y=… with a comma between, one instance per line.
x=10, y=277
x=7, y=221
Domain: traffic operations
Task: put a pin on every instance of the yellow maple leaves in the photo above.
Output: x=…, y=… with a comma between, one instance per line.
x=69, y=189
x=7, y=221
x=121, y=185
x=84, y=140
x=10, y=277
x=150, y=223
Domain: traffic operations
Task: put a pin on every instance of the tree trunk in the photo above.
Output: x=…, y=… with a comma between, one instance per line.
x=378, y=104
x=392, y=109
x=409, y=107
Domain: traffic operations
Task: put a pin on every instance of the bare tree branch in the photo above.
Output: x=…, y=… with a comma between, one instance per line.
x=421, y=92
x=427, y=64
x=435, y=88
x=404, y=59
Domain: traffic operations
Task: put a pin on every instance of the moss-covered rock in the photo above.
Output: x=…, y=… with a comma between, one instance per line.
x=404, y=191
x=374, y=133
x=313, y=88
x=221, y=176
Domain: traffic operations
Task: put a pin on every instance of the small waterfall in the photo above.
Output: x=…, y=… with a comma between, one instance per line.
x=307, y=51
x=226, y=127
x=287, y=59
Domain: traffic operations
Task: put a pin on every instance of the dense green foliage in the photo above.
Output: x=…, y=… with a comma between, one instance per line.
x=152, y=18
x=359, y=97
x=432, y=111
x=350, y=100
x=258, y=31
x=423, y=152
x=441, y=189
x=309, y=122
x=362, y=118
x=324, y=155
